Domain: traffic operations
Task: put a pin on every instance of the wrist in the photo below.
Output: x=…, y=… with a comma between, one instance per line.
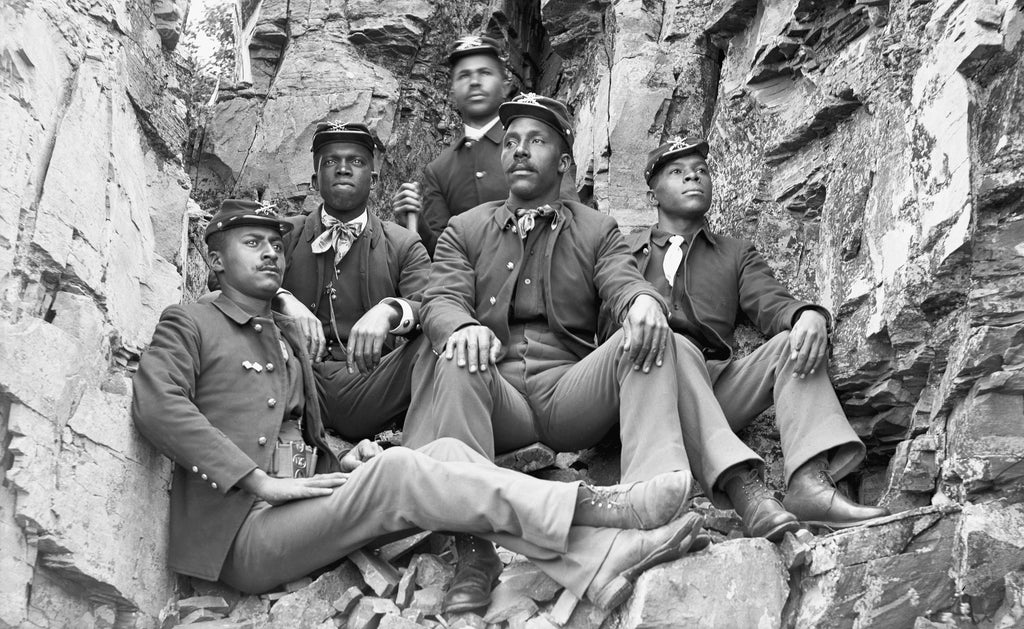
x=254, y=482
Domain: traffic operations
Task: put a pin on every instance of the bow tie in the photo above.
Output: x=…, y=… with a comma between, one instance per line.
x=526, y=219
x=337, y=235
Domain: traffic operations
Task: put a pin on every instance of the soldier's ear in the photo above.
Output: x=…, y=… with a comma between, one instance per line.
x=374, y=179
x=215, y=261
x=314, y=183
x=652, y=199
x=564, y=161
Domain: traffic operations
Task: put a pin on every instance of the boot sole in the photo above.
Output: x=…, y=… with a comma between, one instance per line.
x=777, y=533
x=835, y=526
x=616, y=591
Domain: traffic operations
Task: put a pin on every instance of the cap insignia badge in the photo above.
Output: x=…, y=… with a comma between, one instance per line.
x=266, y=209
x=468, y=43
x=679, y=144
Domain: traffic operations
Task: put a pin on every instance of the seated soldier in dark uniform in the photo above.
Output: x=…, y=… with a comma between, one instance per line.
x=226, y=391
x=710, y=279
x=353, y=284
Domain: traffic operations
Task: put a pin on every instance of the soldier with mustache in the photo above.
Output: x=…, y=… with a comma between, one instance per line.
x=468, y=172
x=226, y=391
x=511, y=311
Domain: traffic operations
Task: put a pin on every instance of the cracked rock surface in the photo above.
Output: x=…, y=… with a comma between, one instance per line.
x=872, y=149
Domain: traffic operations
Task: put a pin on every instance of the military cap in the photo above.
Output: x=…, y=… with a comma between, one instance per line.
x=548, y=110
x=239, y=213
x=676, y=147
x=351, y=132
x=475, y=45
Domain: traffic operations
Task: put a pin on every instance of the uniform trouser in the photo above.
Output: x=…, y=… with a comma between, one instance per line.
x=807, y=411
x=357, y=406
x=569, y=405
x=444, y=486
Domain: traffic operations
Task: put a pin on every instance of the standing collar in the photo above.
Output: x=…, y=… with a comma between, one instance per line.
x=232, y=310
x=470, y=133
x=495, y=133
x=659, y=237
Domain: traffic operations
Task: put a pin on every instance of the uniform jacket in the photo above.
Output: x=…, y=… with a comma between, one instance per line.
x=723, y=278
x=462, y=177
x=479, y=257
x=217, y=420
x=392, y=263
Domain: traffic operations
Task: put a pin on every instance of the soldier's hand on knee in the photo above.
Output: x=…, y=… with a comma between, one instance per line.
x=406, y=200
x=645, y=333
x=366, y=340
x=359, y=454
x=278, y=491
x=474, y=347
x=309, y=326
x=808, y=342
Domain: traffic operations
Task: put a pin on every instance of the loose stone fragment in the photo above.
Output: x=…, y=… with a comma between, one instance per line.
x=344, y=603
x=562, y=610
x=214, y=604
x=506, y=602
x=406, y=588
x=378, y=574
x=429, y=600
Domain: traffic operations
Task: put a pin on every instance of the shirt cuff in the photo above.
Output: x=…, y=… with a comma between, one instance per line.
x=407, y=321
x=819, y=309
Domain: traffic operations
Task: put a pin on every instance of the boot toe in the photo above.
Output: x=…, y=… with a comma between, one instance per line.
x=476, y=574
x=770, y=520
x=832, y=509
x=613, y=583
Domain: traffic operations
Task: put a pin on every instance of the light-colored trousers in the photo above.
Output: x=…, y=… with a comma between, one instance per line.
x=444, y=486
x=540, y=392
x=807, y=411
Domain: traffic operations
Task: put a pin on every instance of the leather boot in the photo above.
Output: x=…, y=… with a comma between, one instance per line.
x=641, y=505
x=634, y=551
x=762, y=514
x=814, y=499
x=476, y=573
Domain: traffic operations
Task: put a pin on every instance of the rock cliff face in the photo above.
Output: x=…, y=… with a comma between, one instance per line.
x=93, y=199
x=872, y=149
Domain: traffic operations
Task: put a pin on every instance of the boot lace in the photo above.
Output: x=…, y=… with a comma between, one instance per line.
x=604, y=497
x=754, y=488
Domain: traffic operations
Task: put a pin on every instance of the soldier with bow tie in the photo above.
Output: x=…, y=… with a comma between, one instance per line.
x=354, y=284
x=512, y=312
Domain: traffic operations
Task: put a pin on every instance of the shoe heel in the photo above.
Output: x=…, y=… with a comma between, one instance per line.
x=613, y=594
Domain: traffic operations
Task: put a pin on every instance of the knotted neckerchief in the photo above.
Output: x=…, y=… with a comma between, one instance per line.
x=337, y=235
x=526, y=219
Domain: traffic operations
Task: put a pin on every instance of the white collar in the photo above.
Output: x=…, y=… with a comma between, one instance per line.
x=329, y=221
x=476, y=134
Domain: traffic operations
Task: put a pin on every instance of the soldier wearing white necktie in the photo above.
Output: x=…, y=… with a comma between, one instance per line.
x=710, y=280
